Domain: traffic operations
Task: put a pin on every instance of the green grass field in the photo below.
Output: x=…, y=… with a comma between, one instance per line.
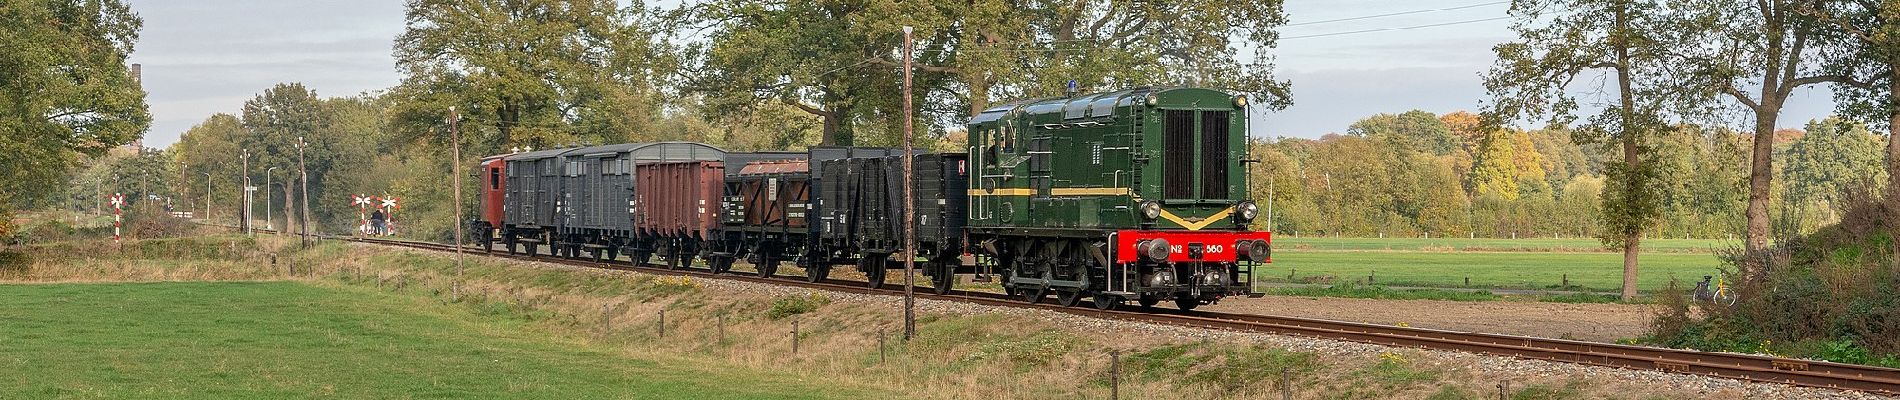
x=1510, y=270
x=1482, y=244
x=292, y=340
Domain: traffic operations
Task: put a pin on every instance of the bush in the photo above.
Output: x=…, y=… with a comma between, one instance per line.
x=14, y=263
x=1833, y=295
x=793, y=305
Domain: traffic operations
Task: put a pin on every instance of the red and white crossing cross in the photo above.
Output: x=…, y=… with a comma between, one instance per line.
x=359, y=200
x=118, y=200
x=389, y=203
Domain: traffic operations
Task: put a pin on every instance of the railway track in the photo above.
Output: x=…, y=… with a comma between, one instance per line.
x=1748, y=367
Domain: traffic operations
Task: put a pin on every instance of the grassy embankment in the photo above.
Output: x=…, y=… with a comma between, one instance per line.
x=1520, y=264
x=372, y=323
x=288, y=339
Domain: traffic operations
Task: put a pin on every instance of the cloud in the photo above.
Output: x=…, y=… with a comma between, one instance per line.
x=204, y=57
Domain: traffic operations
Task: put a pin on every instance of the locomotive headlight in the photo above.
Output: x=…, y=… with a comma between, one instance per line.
x=1153, y=100
x=1151, y=210
x=1153, y=249
x=1240, y=101
x=1247, y=210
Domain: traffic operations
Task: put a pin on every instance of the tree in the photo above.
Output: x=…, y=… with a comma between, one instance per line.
x=66, y=90
x=1493, y=170
x=1416, y=130
x=834, y=60
x=1766, y=46
x=1563, y=40
x=1833, y=157
x=1869, y=68
x=532, y=73
x=205, y=154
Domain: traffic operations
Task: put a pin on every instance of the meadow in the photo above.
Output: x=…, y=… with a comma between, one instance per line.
x=1488, y=263
x=290, y=339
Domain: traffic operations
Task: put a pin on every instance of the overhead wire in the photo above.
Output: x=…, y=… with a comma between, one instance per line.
x=1393, y=14
x=1402, y=28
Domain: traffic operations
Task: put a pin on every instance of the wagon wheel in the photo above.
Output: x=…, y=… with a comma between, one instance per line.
x=874, y=270
x=766, y=265
x=672, y=257
x=1107, y=302
x=817, y=273
x=1069, y=297
x=945, y=277
x=1034, y=295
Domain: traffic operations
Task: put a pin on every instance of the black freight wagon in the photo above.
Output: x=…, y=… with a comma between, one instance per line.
x=863, y=212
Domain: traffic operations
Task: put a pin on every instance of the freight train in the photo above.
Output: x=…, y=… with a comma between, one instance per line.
x=1137, y=195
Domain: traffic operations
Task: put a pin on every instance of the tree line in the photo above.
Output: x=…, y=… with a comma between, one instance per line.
x=1637, y=99
x=1418, y=174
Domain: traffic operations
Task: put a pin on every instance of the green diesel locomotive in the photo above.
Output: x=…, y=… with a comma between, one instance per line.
x=1138, y=194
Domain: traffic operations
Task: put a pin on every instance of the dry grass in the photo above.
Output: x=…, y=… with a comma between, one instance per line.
x=983, y=356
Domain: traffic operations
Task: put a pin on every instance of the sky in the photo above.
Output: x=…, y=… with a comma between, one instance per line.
x=202, y=57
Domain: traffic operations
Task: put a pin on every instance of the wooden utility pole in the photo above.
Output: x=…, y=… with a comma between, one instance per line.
x=910, y=204
x=455, y=177
x=303, y=174
x=244, y=173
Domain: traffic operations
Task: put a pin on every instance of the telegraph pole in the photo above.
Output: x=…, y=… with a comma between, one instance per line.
x=455, y=178
x=207, y=216
x=304, y=175
x=244, y=170
x=910, y=204
x=268, y=222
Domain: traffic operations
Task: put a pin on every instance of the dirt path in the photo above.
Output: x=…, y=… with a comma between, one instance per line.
x=1593, y=322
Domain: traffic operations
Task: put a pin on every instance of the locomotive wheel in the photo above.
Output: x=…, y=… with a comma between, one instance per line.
x=945, y=278
x=1186, y=303
x=1107, y=302
x=1148, y=300
x=1034, y=295
x=511, y=247
x=1068, y=298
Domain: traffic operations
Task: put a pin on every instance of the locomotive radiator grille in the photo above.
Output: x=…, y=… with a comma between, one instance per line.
x=1178, y=155
x=1214, y=130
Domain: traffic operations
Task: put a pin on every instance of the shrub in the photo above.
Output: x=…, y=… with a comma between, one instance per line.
x=14, y=263
x=1832, y=295
x=796, y=304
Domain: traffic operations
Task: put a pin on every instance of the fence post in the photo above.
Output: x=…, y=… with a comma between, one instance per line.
x=1467, y=281
x=662, y=323
x=1502, y=388
x=604, y=319
x=1286, y=384
x=1114, y=374
x=1566, y=281
x=794, y=337
x=1370, y=275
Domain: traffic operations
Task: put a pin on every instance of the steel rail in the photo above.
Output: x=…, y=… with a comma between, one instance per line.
x=1749, y=367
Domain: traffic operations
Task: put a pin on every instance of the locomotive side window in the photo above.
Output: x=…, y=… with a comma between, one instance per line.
x=494, y=179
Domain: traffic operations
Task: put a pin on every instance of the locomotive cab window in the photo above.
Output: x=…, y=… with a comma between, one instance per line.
x=494, y=178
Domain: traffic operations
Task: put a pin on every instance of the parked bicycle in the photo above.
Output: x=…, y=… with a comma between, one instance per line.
x=1720, y=294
